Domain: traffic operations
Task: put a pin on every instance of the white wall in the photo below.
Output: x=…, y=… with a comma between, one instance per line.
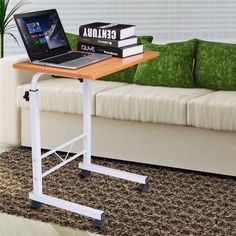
x=166, y=20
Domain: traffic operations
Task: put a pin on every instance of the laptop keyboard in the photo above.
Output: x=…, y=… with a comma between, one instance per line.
x=65, y=57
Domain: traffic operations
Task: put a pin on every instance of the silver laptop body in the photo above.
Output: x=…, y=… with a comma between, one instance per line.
x=87, y=59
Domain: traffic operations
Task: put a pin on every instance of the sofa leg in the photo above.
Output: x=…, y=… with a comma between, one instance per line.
x=144, y=187
x=85, y=174
x=35, y=205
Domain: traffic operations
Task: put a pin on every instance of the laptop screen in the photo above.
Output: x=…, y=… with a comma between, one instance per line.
x=42, y=33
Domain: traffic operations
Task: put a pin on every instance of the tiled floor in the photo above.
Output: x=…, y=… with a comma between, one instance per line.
x=18, y=226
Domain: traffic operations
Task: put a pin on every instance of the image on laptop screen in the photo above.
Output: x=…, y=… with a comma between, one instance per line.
x=43, y=32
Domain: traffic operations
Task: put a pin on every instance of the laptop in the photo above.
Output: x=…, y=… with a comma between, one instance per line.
x=46, y=43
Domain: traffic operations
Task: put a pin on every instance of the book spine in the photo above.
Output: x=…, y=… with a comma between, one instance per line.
x=101, y=42
x=86, y=47
x=89, y=32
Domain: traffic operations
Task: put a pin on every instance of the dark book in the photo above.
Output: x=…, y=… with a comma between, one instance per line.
x=110, y=42
x=117, y=52
x=106, y=31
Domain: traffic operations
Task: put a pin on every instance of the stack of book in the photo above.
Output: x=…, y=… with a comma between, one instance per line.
x=118, y=40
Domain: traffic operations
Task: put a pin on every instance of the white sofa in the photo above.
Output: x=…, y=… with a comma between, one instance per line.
x=175, y=127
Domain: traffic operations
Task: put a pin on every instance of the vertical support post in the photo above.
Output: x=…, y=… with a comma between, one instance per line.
x=87, y=121
x=35, y=135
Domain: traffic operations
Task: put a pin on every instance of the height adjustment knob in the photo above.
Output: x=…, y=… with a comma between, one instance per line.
x=26, y=96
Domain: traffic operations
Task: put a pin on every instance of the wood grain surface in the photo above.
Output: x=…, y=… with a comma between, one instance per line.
x=94, y=71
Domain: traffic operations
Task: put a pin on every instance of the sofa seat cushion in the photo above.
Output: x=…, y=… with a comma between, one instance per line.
x=64, y=95
x=214, y=111
x=147, y=103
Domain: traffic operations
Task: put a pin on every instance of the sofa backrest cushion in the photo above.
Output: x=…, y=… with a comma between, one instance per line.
x=173, y=68
x=127, y=75
x=215, y=66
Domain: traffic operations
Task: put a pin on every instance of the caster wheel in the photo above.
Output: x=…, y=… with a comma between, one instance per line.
x=85, y=174
x=99, y=223
x=144, y=187
x=35, y=205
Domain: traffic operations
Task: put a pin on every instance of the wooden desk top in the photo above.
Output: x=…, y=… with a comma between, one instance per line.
x=93, y=71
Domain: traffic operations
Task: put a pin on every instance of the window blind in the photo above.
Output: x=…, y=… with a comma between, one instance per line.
x=166, y=20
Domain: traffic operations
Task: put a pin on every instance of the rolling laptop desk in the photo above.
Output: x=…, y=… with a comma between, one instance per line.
x=85, y=74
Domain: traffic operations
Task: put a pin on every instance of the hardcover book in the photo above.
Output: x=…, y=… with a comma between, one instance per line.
x=117, y=52
x=106, y=31
x=110, y=42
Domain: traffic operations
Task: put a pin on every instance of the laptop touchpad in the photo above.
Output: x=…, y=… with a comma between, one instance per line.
x=79, y=62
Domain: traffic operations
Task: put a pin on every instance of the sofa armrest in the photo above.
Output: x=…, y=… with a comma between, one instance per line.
x=10, y=79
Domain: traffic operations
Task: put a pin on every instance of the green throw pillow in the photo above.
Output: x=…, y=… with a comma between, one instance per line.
x=173, y=68
x=215, y=66
x=145, y=39
x=73, y=39
x=127, y=75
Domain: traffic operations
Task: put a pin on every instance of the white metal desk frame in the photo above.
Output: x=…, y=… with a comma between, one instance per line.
x=37, y=194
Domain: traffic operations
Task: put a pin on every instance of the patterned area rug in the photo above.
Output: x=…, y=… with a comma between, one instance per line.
x=178, y=203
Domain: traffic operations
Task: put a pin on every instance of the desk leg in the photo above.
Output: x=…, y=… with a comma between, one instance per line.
x=86, y=166
x=86, y=127
x=87, y=120
x=37, y=195
x=35, y=139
